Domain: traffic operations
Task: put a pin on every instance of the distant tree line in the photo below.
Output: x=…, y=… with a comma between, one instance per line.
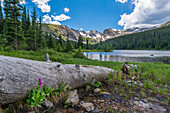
x=157, y=39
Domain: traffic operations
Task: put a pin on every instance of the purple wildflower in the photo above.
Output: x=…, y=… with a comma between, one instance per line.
x=40, y=82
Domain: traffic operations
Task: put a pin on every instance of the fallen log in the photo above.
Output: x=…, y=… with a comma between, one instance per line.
x=19, y=76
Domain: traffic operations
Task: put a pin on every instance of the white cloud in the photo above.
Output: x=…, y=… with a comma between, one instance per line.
x=66, y=10
x=122, y=1
x=47, y=19
x=43, y=5
x=23, y=2
x=37, y=20
x=2, y=2
x=147, y=13
x=62, y=17
x=81, y=29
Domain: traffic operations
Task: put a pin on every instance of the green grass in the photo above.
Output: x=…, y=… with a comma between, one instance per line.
x=158, y=72
x=67, y=58
x=154, y=76
x=154, y=70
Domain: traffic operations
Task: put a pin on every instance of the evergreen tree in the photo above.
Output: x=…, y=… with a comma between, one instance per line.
x=51, y=43
x=69, y=46
x=28, y=20
x=80, y=41
x=34, y=28
x=32, y=31
x=41, y=41
x=60, y=40
x=58, y=48
x=87, y=44
x=13, y=29
x=24, y=21
x=156, y=39
x=46, y=38
x=27, y=25
x=79, y=53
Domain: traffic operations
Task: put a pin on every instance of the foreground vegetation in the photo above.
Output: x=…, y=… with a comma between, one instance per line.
x=155, y=77
x=70, y=58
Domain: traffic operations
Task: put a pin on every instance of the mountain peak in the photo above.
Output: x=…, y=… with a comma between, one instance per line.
x=165, y=24
x=92, y=34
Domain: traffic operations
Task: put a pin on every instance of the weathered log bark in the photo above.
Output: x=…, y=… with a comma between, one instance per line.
x=18, y=76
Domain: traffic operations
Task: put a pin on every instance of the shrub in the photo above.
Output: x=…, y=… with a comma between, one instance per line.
x=9, y=48
x=79, y=54
x=97, y=84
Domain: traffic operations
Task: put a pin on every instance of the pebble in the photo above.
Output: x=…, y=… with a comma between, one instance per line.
x=87, y=106
x=97, y=90
x=48, y=104
x=101, y=101
x=96, y=111
x=31, y=112
x=153, y=99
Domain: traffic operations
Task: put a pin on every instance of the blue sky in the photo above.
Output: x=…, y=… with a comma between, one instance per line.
x=87, y=14
x=102, y=14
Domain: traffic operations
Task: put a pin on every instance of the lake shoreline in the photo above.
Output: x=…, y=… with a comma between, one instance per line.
x=131, y=56
x=163, y=59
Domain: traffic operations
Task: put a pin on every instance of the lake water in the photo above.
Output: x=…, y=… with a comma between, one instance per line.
x=108, y=56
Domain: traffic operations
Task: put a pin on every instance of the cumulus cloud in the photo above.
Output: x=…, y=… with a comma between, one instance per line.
x=43, y=5
x=66, y=10
x=62, y=17
x=147, y=13
x=23, y=2
x=1, y=2
x=81, y=29
x=122, y=1
x=47, y=19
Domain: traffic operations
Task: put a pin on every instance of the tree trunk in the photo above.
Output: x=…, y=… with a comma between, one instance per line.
x=19, y=76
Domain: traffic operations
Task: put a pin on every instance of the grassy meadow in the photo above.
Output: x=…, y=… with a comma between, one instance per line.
x=155, y=77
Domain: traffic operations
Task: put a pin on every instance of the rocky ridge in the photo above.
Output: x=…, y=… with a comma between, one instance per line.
x=95, y=35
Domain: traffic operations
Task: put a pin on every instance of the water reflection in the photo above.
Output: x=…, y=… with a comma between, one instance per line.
x=109, y=56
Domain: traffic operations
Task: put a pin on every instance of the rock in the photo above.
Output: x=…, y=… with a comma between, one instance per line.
x=48, y=104
x=105, y=93
x=87, y=106
x=73, y=98
x=157, y=108
x=136, y=98
x=18, y=76
x=32, y=112
x=102, y=101
x=145, y=100
x=133, y=77
x=150, y=107
x=47, y=59
x=153, y=99
x=97, y=90
x=141, y=104
x=96, y=111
